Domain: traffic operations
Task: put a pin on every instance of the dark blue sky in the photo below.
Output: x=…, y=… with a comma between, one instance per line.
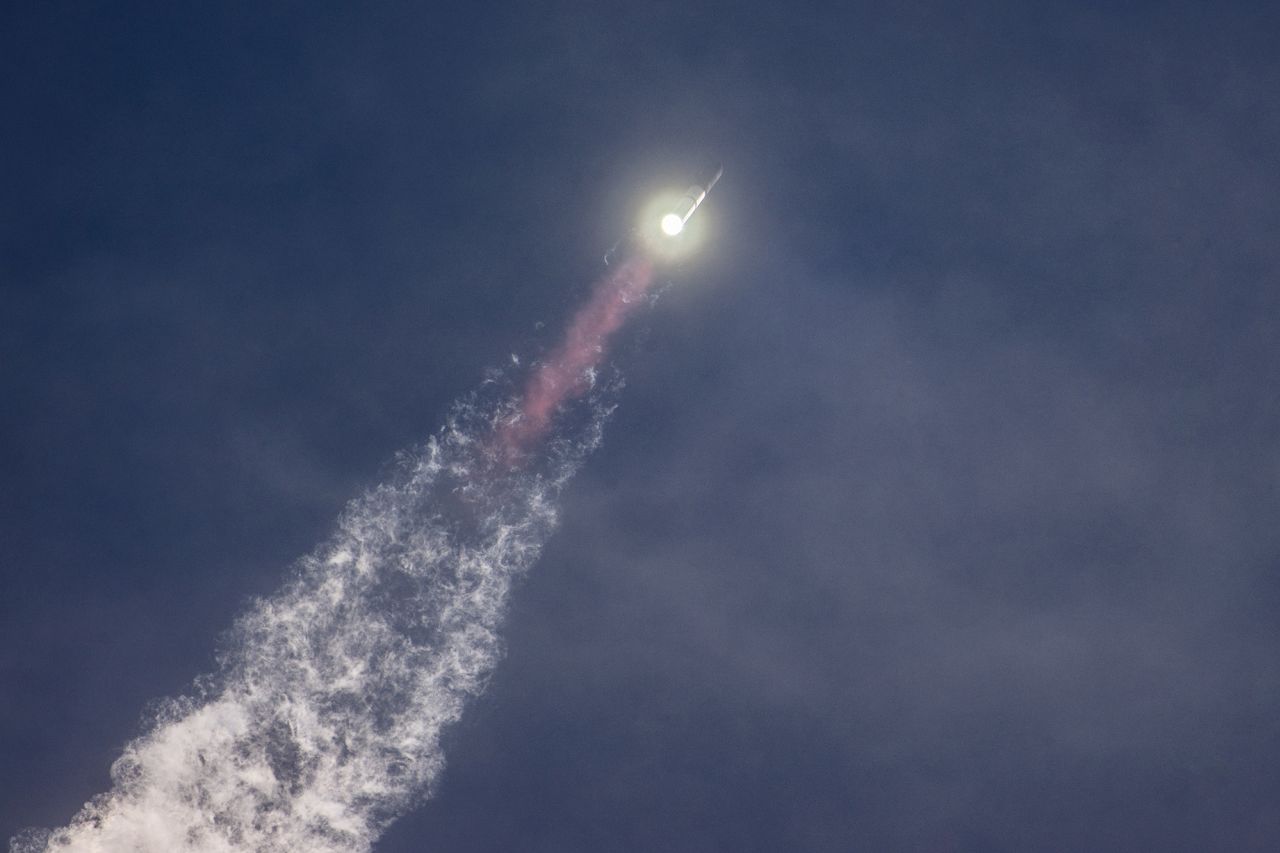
x=940, y=510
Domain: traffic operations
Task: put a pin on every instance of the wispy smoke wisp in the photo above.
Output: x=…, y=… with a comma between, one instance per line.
x=324, y=721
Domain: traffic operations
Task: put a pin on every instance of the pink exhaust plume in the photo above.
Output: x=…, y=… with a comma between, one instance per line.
x=566, y=373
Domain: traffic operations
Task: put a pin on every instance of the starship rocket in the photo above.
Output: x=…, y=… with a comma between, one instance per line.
x=670, y=221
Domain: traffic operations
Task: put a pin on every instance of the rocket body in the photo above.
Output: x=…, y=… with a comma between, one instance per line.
x=659, y=234
x=692, y=198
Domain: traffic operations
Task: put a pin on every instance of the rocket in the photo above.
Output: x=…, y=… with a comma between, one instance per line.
x=658, y=237
x=673, y=223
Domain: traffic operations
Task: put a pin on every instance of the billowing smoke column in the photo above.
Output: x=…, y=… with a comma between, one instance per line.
x=323, y=722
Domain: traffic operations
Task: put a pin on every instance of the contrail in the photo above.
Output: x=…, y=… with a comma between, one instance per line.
x=323, y=721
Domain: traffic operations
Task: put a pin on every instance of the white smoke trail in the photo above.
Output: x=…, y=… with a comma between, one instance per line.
x=324, y=720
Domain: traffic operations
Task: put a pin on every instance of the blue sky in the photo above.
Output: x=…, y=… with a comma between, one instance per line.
x=938, y=512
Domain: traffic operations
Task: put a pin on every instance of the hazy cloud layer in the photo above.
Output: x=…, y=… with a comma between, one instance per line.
x=938, y=513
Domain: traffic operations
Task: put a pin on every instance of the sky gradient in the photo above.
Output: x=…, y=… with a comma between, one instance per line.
x=939, y=509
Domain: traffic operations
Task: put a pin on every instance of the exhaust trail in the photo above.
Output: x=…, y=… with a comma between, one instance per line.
x=569, y=370
x=323, y=721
